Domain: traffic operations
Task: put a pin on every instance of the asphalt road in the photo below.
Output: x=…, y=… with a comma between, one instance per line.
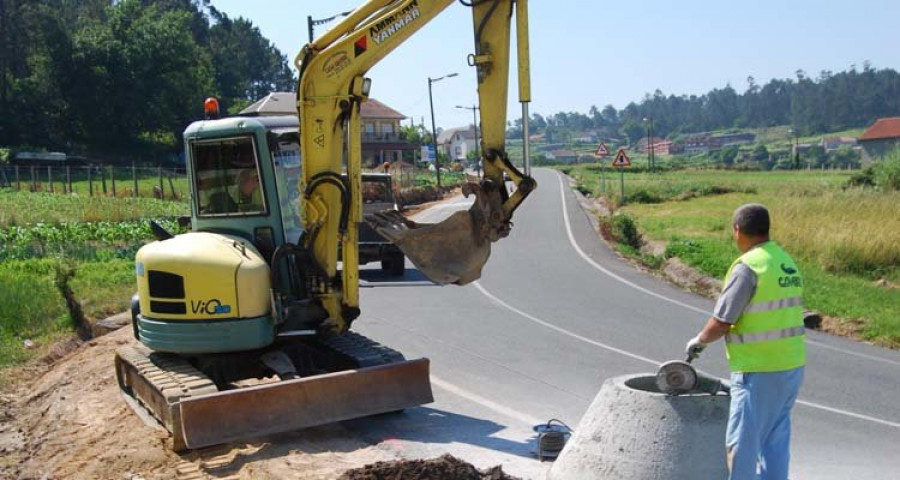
x=554, y=315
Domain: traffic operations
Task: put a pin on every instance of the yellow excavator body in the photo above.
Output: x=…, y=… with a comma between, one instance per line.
x=244, y=322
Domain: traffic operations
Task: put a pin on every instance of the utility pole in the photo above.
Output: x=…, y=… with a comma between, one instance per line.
x=310, y=23
x=437, y=157
x=474, y=109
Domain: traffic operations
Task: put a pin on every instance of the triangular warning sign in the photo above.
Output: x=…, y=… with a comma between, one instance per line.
x=621, y=159
x=601, y=151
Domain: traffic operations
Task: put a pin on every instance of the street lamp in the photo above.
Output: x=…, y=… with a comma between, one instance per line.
x=310, y=23
x=796, y=148
x=650, y=160
x=474, y=108
x=437, y=161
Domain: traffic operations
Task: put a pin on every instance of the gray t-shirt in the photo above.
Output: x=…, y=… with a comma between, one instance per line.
x=737, y=294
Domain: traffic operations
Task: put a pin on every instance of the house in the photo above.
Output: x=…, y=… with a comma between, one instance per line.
x=46, y=159
x=831, y=144
x=880, y=139
x=643, y=144
x=381, y=137
x=563, y=156
x=696, y=143
x=456, y=143
x=709, y=142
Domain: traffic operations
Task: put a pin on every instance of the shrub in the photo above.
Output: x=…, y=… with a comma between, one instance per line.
x=644, y=196
x=865, y=178
x=623, y=229
x=887, y=172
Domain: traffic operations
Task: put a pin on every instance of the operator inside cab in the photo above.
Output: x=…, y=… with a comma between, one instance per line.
x=227, y=178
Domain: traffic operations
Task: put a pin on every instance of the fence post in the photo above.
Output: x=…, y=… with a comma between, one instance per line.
x=103, y=178
x=134, y=179
x=172, y=185
x=33, y=181
x=162, y=188
x=18, y=184
x=90, y=169
x=50, y=177
x=112, y=177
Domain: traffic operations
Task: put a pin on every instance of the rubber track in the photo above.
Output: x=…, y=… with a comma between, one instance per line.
x=366, y=352
x=171, y=377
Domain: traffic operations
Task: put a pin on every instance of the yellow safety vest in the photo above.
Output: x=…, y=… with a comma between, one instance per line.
x=769, y=335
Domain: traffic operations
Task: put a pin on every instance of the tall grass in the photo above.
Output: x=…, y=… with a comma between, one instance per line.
x=30, y=308
x=843, y=239
x=854, y=231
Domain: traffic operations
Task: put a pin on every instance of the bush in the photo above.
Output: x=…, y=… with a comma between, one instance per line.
x=621, y=229
x=644, y=196
x=886, y=173
x=865, y=178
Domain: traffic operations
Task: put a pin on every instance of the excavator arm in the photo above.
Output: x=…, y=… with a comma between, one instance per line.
x=331, y=88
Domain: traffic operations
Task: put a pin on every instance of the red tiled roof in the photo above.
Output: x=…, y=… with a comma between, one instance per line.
x=285, y=103
x=883, y=128
x=375, y=109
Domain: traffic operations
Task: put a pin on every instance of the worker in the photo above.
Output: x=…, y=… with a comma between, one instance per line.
x=249, y=195
x=760, y=314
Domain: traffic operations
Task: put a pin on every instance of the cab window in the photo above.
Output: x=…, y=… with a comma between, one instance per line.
x=227, y=177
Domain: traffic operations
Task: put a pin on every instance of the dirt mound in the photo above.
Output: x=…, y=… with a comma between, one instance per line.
x=64, y=418
x=446, y=467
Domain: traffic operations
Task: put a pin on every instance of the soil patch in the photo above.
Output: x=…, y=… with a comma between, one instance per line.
x=63, y=417
x=446, y=467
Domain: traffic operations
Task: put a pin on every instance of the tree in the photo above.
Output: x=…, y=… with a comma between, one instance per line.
x=760, y=153
x=727, y=155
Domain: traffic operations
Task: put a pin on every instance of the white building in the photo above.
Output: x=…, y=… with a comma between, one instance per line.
x=456, y=143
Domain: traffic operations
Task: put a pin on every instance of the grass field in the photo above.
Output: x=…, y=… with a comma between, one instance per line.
x=845, y=240
x=44, y=234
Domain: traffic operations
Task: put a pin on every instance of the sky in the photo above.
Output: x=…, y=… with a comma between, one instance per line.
x=594, y=53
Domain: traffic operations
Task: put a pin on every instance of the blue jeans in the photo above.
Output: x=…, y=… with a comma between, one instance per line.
x=759, y=424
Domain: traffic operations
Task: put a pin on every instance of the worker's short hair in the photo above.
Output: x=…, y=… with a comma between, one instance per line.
x=245, y=175
x=752, y=219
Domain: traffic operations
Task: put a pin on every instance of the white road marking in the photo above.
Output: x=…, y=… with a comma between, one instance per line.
x=562, y=194
x=654, y=294
x=563, y=331
x=503, y=410
x=656, y=363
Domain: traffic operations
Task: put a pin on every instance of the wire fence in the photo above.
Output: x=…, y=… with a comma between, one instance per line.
x=97, y=180
x=165, y=183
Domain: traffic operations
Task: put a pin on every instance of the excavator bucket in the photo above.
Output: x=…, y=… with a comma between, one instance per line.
x=451, y=251
x=187, y=404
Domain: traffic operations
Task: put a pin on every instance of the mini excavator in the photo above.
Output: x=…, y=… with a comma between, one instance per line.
x=244, y=322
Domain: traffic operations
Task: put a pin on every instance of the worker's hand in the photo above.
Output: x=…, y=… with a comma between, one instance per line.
x=694, y=347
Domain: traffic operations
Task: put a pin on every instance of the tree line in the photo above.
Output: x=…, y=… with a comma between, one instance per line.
x=106, y=78
x=831, y=102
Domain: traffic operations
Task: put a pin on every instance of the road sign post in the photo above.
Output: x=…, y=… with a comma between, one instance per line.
x=620, y=162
